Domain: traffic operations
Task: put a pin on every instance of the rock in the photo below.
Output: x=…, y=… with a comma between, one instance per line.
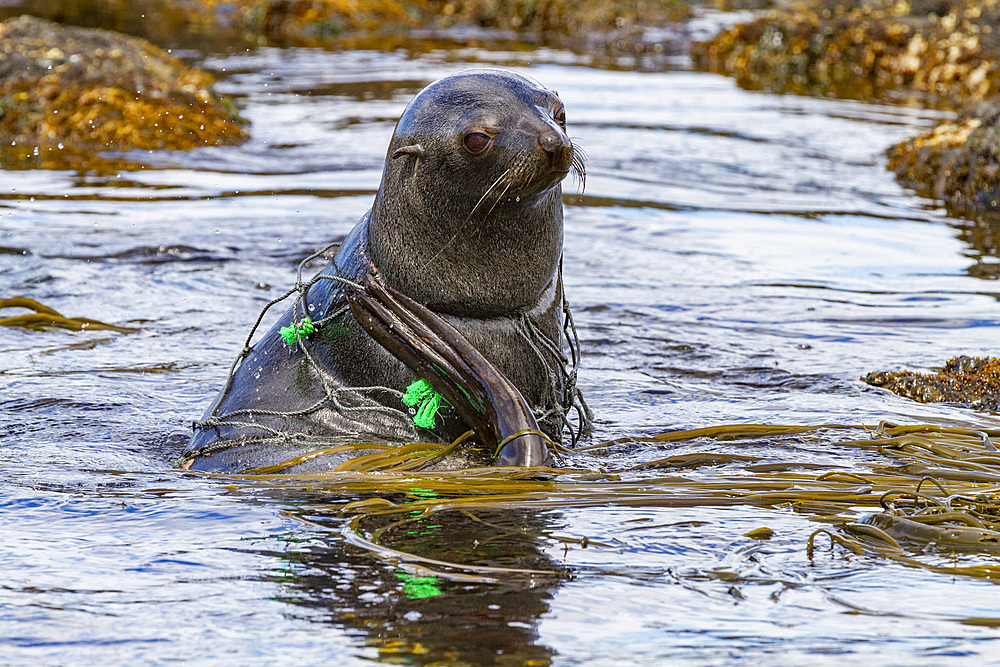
x=946, y=51
x=88, y=88
x=374, y=23
x=957, y=162
x=941, y=52
x=973, y=381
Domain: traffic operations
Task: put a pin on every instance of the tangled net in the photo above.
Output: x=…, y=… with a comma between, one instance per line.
x=562, y=402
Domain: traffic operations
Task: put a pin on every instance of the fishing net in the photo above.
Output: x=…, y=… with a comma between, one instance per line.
x=362, y=409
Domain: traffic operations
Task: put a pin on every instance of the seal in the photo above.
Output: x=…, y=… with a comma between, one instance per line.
x=464, y=241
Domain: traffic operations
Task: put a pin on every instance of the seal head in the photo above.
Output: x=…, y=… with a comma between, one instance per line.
x=468, y=219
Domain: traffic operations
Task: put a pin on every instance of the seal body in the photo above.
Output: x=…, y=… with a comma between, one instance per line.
x=468, y=222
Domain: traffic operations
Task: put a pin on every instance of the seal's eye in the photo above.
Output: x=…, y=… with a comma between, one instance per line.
x=476, y=142
x=560, y=116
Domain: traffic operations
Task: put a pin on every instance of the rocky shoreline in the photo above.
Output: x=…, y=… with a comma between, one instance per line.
x=940, y=53
x=943, y=53
x=327, y=22
x=64, y=87
x=80, y=88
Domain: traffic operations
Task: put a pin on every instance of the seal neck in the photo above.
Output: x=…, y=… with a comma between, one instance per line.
x=490, y=265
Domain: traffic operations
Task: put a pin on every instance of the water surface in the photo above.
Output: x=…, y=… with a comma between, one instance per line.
x=736, y=257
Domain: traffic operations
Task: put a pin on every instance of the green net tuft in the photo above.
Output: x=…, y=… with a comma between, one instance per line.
x=422, y=393
x=562, y=405
x=293, y=332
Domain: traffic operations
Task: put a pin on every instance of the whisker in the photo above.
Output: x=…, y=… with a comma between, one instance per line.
x=485, y=194
x=496, y=202
x=579, y=166
x=469, y=217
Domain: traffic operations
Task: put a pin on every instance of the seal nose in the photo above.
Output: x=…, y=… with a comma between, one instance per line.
x=556, y=144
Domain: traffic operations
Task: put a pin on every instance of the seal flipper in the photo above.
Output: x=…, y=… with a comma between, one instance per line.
x=436, y=351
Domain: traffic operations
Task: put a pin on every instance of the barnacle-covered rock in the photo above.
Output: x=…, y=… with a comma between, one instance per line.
x=974, y=381
x=381, y=23
x=948, y=51
x=942, y=52
x=958, y=162
x=88, y=88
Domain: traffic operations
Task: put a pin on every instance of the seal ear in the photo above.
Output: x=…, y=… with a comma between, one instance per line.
x=416, y=150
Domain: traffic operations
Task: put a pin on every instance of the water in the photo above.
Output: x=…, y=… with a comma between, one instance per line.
x=736, y=257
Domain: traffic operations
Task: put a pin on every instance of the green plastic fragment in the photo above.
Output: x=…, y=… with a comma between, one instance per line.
x=421, y=392
x=417, y=392
x=294, y=331
x=427, y=411
x=417, y=588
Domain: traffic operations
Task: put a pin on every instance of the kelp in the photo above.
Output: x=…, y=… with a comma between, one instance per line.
x=44, y=318
x=930, y=495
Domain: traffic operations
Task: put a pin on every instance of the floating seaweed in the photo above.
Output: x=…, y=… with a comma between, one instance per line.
x=45, y=317
x=929, y=499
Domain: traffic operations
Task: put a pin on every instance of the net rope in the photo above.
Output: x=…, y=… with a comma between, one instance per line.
x=562, y=402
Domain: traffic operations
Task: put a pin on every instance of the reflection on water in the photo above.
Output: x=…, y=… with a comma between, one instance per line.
x=428, y=615
x=737, y=258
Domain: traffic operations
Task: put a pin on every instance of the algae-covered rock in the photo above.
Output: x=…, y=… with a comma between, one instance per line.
x=958, y=162
x=86, y=88
x=379, y=22
x=562, y=16
x=974, y=381
x=941, y=52
x=946, y=50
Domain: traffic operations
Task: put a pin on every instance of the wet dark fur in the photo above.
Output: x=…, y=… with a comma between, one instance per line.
x=476, y=238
